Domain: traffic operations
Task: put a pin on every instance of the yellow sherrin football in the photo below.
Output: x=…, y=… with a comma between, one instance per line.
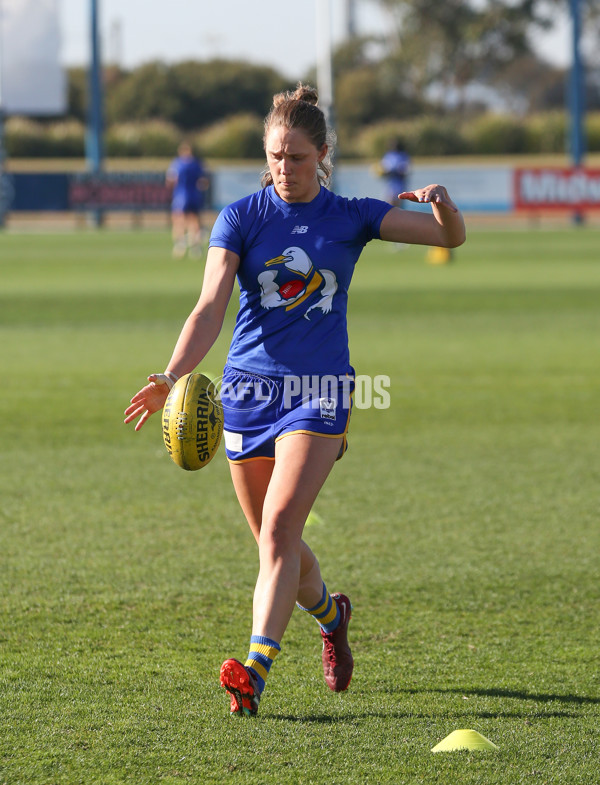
x=192, y=421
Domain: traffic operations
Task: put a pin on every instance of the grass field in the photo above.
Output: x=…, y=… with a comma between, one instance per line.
x=463, y=523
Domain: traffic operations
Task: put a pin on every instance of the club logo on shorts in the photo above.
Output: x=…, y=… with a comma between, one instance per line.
x=327, y=407
x=294, y=281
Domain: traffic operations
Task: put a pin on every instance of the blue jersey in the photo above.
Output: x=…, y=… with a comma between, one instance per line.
x=186, y=171
x=296, y=264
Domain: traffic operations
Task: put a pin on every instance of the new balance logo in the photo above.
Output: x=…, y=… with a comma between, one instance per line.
x=300, y=230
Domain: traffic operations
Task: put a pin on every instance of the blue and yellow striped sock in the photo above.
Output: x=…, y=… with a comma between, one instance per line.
x=262, y=653
x=326, y=612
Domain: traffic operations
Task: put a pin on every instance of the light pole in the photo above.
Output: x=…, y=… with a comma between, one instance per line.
x=324, y=65
x=94, y=151
x=576, y=88
x=324, y=69
x=576, y=97
x=2, y=153
x=351, y=28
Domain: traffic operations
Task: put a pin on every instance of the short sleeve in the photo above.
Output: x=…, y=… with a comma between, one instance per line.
x=227, y=231
x=371, y=213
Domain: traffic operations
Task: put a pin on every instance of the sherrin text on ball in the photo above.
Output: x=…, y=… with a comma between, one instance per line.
x=192, y=421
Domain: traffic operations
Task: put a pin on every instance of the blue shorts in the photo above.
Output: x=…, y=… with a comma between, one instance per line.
x=185, y=203
x=258, y=410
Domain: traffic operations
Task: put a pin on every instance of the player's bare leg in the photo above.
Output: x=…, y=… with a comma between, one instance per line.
x=251, y=481
x=302, y=463
x=276, y=497
x=194, y=234
x=178, y=227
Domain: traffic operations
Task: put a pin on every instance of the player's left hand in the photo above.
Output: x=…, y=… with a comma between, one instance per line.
x=435, y=194
x=149, y=399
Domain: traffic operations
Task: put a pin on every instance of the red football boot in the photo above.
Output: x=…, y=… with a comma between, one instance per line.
x=338, y=663
x=238, y=681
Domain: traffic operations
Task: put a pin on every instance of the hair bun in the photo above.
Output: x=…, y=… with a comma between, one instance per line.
x=302, y=92
x=306, y=93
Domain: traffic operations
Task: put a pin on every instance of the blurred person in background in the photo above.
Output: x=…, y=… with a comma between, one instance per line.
x=187, y=177
x=394, y=167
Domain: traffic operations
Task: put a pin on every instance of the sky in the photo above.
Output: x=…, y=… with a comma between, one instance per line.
x=279, y=33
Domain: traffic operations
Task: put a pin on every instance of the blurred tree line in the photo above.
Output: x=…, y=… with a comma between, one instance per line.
x=455, y=77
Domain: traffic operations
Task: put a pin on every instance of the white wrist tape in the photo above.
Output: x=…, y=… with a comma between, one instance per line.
x=167, y=378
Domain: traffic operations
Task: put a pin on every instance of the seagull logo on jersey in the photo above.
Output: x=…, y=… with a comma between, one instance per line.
x=288, y=292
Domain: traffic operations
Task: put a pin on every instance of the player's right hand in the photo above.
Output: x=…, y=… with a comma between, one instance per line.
x=148, y=400
x=435, y=194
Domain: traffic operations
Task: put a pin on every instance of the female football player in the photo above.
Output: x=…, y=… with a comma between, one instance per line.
x=293, y=246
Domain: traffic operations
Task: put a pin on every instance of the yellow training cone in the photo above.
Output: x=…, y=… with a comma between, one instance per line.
x=313, y=519
x=437, y=255
x=464, y=740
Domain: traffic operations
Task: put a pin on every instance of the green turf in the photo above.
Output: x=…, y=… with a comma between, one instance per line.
x=463, y=523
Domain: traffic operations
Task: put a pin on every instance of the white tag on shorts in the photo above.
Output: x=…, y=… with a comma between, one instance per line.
x=233, y=441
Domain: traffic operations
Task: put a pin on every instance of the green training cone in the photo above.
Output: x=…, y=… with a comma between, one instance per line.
x=464, y=740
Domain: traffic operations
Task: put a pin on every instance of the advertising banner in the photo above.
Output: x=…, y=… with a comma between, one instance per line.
x=135, y=191
x=556, y=188
x=119, y=191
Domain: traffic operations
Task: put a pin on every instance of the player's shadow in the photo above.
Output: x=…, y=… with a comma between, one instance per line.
x=352, y=717
x=520, y=695
x=494, y=692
